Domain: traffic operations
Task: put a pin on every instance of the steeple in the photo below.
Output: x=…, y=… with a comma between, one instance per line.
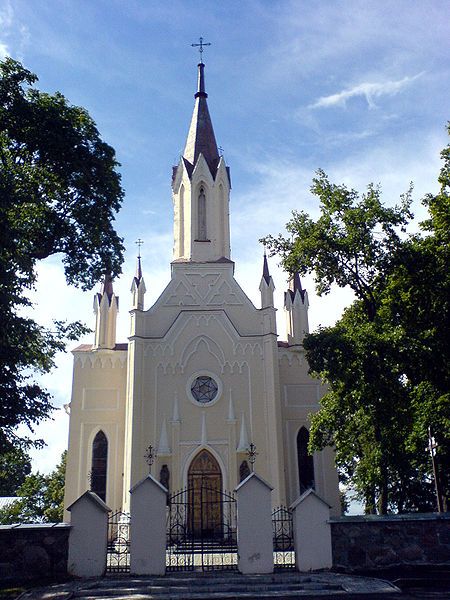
x=295, y=285
x=201, y=138
x=266, y=287
x=106, y=307
x=296, y=307
x=201, y=189
x=138, y=286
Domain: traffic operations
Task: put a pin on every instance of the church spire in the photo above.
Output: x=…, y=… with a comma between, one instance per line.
x=106, y=307
x=201, y=189
x=201, y=138
x=296, y=307
x=266, y=287
x=295, y=285
x=266, y=274
x=138, y=285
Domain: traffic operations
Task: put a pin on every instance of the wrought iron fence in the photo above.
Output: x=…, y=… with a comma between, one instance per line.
x=118, y=552
x=283, y=539
x=201, y=530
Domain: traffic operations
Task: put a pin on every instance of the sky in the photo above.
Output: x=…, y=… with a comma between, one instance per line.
x=359, y=89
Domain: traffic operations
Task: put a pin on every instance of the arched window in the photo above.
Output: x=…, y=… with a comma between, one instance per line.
x=305, y=461
x=202, y=215
x=99, y=465
x=244, y=471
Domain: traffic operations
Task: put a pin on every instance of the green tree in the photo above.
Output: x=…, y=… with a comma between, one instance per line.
x=386, y=361
x=15, y=465
x=59, y=191
x=40, y=498
x=350, y=245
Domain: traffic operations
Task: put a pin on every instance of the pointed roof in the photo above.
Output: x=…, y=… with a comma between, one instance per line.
x=107, y=285
x=266, y=274
x=138, y=274
x=201, y=138
x=107, y=289
x=295, y=285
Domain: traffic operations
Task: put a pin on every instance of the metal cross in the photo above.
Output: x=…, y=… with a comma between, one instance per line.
x=139, y=243
x=252, y=454
x=150, y=455
x=200, y=47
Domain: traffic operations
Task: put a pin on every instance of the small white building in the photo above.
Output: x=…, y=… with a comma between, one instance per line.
x=203, y=374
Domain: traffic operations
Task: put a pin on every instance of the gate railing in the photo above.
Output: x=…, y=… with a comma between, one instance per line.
x=118, y=550
x=283, y=539
x=201, y=530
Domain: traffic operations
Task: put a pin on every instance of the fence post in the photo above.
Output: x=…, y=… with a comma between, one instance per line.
x=254, y=525
x=148, y=527
x=312, y=534
x=88, y=537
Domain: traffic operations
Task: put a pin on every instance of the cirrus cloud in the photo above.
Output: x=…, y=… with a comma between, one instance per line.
x=368, y=90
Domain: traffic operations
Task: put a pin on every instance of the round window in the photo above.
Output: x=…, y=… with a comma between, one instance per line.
x=204, y=389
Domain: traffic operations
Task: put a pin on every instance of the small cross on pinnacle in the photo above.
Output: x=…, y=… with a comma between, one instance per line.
x=200, y=47
x=139, y=243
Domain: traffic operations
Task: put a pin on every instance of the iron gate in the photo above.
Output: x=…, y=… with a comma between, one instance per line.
x=283, y=539
x=201, y=529
x=118, y=551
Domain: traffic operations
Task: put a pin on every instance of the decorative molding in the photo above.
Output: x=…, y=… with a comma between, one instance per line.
x=193, y=347
x=203, y=285
x=95, y=360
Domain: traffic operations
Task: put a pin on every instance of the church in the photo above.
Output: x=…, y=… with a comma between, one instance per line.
x=203, y=391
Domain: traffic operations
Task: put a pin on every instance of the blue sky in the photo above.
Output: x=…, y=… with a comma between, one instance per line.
x=360, y=89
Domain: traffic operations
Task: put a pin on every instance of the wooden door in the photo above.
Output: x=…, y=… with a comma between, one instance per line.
x=205, y=496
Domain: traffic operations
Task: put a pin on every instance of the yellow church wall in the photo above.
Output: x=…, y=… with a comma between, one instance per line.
x=98, y=403
x=300, y=396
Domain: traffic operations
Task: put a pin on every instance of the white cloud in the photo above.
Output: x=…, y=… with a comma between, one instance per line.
x=367, y=90
x=3, y=50
x=6, y=14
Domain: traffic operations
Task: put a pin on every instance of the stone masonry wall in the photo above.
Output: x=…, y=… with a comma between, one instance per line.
x=371, y=542
x=33, y=551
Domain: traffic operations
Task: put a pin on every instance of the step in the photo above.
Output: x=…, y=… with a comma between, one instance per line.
x=219, y=586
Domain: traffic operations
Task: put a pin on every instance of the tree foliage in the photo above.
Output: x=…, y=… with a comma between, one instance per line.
x=59, y=191
x=15, y=465
x=351, y=243
x=386, y=361
x=40, y=498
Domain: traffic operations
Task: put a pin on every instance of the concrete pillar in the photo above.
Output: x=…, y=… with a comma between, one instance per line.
x=88, y=536
x=254, y=525
x=312, y=533
x=148, y=527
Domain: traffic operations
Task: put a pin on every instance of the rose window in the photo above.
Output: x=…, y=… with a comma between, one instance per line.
x=204, y=389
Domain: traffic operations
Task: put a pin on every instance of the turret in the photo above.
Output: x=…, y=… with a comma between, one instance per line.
x=138, y=287
x=266, y=287
x=201, y=189
x=296, y=307
x=106, y=307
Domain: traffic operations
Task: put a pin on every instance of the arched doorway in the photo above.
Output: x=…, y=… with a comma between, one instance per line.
x=205, y=491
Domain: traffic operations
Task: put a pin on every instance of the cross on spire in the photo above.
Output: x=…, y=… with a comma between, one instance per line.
x=139, y=243
x=200, y=47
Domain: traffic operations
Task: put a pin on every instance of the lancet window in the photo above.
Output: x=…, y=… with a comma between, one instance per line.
x=99, y=465
x=201, y=207
x=305, y=461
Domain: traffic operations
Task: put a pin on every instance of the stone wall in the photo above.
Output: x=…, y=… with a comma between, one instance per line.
x=376, y=542
x=33, y=551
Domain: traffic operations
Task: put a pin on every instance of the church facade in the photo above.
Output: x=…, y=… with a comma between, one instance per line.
x=203, y=390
